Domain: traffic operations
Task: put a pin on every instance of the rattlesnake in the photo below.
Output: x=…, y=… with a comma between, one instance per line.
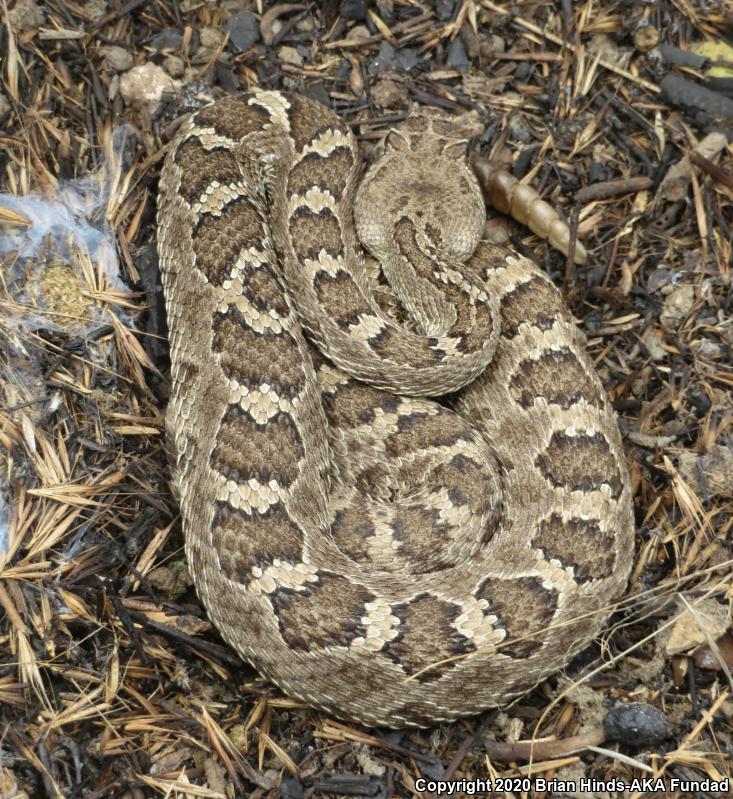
x=379, y=555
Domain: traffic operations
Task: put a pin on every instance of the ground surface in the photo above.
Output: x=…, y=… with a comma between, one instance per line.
x=112, y=682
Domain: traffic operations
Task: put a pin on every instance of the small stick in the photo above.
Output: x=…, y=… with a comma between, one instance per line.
x=612, y=188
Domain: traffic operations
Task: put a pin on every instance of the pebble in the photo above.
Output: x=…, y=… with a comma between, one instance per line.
x=95, y=9
x=211, y=38
x=445, y=9
x=25, y=15
x=635, y=724
x=289, y=55
x=654, y=345
x=384, y=60
x=457, y=57
x=167, y=40
x=354, y=9
x=174, y=66
x=658, y=278
x=677, y=305
x=118, y=59
x=244, y=31
x=144, y=85
x=390, y=94
x=291, y=788
x=408, y=58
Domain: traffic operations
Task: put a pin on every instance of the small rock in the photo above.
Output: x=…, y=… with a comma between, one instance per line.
x=354, y=9
x=517, y=130
x=677, y=305
x=707, y=349
x=445, y=9
x=408, y=58
x=714, y=468
x=389, y=94
x=144, y=85
x=118, y=59
x=491, y=45
x=359, y=32
x=172, y=39
x=384, y=60
x=598, y=172
x=653, y=344
x=25, y=15
x=659, y=277
x=174, y=66
x=706, y=619
x=95, y=9
x=646, y=38
x=244, y=31
x=212, y=38
x=635, y=724
x=386, y=11
x=457, y=58
x=289, y=55
x=291, y=788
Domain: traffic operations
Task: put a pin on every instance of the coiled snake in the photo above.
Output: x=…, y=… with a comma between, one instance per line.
x=379, y=555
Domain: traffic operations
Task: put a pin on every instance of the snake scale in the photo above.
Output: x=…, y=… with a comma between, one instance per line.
x=381, y=555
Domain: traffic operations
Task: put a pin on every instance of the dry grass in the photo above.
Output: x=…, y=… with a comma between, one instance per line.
x=112, y=681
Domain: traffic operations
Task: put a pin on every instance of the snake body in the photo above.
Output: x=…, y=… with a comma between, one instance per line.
x=378, y=554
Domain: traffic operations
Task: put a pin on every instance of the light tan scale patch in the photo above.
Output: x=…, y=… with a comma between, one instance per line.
x=303, y=624
x=261, y=404
x=330, y=140
x=427, y=640
x=314, y=200
x=477, y=625
x=257, y=321
x=253, y=494
x=283, y=574
x=379, y=624
x=216, y=198
x=368, y=328
x=274, y=105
